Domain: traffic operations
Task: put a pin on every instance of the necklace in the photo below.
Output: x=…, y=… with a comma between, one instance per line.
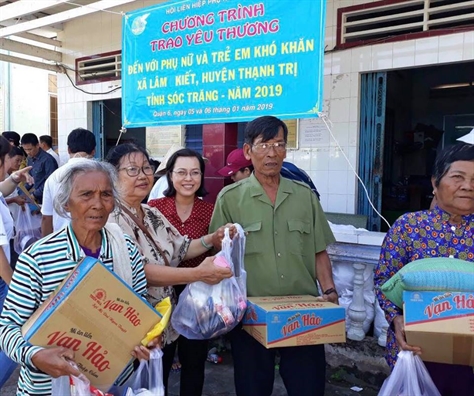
x=184, y=211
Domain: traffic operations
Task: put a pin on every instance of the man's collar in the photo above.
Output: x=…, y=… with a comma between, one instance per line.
x=256, y=188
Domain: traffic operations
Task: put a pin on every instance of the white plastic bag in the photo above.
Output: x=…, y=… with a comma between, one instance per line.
x=409, y=378
x=74, y=386
x=148, y=379
x=27, y=230
x=206, y=311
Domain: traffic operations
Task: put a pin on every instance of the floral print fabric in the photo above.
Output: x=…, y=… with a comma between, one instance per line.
x=415, y=236
x=171, y=242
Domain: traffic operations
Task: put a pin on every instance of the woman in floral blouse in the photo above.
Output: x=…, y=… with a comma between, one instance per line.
x=444, y=231
x=160, y=243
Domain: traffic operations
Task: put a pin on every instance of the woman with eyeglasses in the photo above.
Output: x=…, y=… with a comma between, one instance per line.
x=191, y=216
x=162, y=246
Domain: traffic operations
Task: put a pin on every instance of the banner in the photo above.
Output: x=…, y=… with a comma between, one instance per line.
x=214, y=61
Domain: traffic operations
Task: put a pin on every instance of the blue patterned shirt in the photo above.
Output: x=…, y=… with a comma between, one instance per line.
x=414, y=236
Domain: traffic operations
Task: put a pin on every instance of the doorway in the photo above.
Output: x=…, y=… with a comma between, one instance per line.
x=407, y=117
x=107, y=124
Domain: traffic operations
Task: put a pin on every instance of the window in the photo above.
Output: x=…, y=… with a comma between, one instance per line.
x=53, y=119
x=98, y=68
x=396, y=20
x=53, y=108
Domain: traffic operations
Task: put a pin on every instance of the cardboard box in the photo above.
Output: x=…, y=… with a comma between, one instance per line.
x=442, y=324
x=294, y=320
x=94, y=313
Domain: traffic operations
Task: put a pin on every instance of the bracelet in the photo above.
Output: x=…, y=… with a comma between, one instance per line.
x=330, y=291
x=205, y=245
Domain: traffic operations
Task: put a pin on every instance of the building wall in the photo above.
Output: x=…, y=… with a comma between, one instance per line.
x=332, y=174
x=25, y=99
x=342, y=70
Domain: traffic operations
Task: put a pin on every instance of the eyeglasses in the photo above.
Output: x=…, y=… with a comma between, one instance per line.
x=265, y=147
x=133, y=171
x=195, y=174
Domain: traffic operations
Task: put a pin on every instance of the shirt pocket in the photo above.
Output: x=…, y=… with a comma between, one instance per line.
x=298, y=232
x=252, y=238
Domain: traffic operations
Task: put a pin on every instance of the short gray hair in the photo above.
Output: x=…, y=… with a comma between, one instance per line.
x=79, y=168
x=444, y=160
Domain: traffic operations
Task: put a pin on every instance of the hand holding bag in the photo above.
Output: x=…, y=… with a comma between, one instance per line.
x=206, y=311
x=409, y=378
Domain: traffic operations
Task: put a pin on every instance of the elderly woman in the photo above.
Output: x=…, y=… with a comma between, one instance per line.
x=88, y=194
x=162, y=246
x=444, y=231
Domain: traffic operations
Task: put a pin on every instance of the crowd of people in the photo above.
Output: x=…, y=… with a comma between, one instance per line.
x=159, y=237
x=87, y=206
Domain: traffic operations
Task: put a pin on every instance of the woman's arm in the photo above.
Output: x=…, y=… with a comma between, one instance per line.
x=161, y=275
x=197, y=247
x=209, y=241
x=390, y=261
x=22, y=301
x=393, y=256
x=6, y=271
x=10, y=183
x=19, y=200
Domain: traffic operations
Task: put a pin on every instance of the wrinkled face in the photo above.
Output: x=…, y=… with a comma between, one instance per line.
x=91, y=201
x=31, y=150
x=240, y=174
x=135, y=176
x=266, y=162
x=186, y=176
x=455, y=193
x=12, y=164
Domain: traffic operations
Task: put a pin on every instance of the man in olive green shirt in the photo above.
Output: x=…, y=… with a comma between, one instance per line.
x=285, y=254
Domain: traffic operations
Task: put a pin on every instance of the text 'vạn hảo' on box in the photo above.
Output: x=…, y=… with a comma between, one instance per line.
x=442, y=324
x=294, y=320
x=94, y=313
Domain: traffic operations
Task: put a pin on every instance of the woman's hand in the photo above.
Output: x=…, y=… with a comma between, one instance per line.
x=400, y=336
x=19, y=200
x=210, y=273
x=23, y=175
x=218, y=235
x=141, y=353
x=54, y=362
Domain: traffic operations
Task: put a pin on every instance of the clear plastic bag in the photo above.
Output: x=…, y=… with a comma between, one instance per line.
x=27, y=230
x=148, y=379
x=206, y=311
x=409, y=378
x=74, y=386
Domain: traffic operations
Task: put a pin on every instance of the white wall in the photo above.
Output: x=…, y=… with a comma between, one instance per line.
x=101, y=32
x=92, y=34
x=26, y=102
x=342, y=70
